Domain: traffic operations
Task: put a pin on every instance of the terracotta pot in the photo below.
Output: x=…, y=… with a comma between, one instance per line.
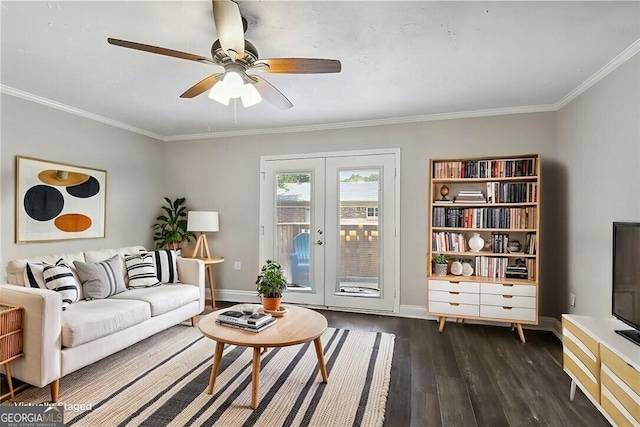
x=271, y=304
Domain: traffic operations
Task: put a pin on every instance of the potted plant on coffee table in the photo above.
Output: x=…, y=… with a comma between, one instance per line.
x=271, y=283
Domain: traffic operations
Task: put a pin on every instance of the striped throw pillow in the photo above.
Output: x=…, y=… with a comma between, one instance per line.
x=141, y=271
x=33, y=275
x=165, y=265
x=101, y=279
x=60, y=279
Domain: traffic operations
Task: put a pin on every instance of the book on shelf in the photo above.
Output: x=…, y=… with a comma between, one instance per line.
x=246, y=319
x=250, y=328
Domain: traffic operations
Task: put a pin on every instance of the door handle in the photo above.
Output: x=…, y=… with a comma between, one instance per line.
x=318, y=243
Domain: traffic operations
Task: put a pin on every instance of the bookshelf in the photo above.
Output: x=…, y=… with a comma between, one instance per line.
x=497, y=197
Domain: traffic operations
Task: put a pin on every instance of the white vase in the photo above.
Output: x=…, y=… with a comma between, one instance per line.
x=476, y=243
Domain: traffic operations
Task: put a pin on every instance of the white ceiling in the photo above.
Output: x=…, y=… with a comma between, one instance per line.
x=400, y=60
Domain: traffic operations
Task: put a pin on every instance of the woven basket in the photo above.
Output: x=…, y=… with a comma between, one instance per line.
x=10, y=331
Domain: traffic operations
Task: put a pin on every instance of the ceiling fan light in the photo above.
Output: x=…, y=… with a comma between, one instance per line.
x=219, y=93
x=233, y=84
x=250, y=95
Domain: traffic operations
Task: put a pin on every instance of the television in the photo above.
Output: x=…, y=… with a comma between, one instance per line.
x=626, y=278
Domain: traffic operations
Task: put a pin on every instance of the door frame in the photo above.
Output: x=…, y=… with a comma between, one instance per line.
x=396, y=251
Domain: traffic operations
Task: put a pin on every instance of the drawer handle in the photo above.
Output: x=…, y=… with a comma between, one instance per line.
x=507, y=296
x=507, y=308
x=455, y=283
x=454, y=293
x=455, y=304
x=508, y=284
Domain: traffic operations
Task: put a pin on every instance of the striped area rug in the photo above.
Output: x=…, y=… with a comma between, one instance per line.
x=162, y=381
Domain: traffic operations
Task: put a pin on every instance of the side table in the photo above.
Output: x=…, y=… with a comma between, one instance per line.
x=10, y=340
x=208, y=265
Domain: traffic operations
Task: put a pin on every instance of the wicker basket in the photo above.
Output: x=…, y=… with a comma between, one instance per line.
x=10, y=331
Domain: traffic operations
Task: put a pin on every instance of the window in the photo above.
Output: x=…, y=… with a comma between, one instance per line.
x=372, y=212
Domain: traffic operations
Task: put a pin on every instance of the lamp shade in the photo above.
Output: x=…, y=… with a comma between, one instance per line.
x=202, y=221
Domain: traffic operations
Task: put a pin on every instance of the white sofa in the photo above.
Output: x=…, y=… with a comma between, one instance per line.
x=57, y=342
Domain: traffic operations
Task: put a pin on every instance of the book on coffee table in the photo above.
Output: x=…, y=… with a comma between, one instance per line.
x=245, y=327
x=242, y=318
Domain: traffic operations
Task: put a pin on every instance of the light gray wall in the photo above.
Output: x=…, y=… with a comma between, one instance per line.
x=223, y=174
x=599, y=144
x=134, y=166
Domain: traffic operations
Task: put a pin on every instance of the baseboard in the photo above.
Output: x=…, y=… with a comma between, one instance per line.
x=414, y=311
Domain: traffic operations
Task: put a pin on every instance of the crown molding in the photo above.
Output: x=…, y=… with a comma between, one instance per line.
x=623, y=57
x=369, y=123
x=78, y=112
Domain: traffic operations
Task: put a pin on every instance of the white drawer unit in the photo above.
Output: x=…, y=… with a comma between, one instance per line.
x=508, y=300
x=453, y=296
x=512, y=314
x=508, y=289
x=445, y=285
x=451, y=309
x=604, y=365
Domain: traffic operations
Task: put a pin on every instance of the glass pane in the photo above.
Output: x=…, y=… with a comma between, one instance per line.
x=293, y=220
x=358, y=262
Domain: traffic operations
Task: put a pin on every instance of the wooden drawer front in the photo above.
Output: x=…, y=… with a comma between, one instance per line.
x=620, y=394
x=589, y=383
x=505, y=289
x=620, y=368
x=452, y=296
x=508, y=313
x=508, y=300
x=572, y=344
x=445, y=285
x=453, y=309
x=585, y=339
x=612, y=407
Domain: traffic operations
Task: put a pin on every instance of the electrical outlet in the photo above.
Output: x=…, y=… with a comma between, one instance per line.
x=572, y=300
x=237, y=265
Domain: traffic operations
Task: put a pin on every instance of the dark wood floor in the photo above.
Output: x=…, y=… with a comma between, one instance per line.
x=474, y=375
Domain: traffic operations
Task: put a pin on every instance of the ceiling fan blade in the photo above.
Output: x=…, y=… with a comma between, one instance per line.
x=226, y=16
x=160, y=51
x=300, y=65
x=202, y=86
x=270, y=93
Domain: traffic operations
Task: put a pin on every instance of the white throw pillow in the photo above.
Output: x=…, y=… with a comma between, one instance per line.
x=141, y=272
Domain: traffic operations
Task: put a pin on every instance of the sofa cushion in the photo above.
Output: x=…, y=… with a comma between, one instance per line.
x=101, y=279
x=59, y=278
x=141, y=272
x=165, y=264
x=162, y=298
x=87, y=321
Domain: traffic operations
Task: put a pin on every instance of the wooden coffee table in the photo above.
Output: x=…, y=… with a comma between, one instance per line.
x=299, y=325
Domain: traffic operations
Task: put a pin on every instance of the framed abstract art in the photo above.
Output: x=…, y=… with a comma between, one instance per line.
x=58, y=201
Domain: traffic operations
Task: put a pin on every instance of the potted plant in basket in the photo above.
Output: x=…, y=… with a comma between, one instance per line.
x=271, y=284
x=171, y=228
x=440, y=264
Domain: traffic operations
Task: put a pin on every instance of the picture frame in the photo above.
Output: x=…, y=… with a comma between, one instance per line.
x=58, y=201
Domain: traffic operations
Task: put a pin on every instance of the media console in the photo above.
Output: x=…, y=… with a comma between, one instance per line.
x=605, y=366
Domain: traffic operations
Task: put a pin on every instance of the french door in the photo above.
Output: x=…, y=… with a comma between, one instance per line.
x=330, y=221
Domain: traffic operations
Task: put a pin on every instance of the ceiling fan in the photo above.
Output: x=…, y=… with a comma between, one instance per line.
x=239, y=59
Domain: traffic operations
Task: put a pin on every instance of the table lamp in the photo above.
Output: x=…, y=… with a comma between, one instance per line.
x=204, y=222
